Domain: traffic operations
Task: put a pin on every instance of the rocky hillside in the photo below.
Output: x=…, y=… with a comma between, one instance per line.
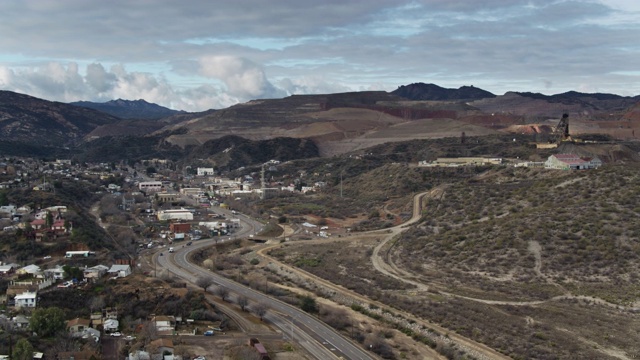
x=422, y=91
x=29, y=120
x=129, y=109
x=232, y=152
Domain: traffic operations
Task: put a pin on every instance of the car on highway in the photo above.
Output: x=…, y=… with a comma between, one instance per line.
x=209, y=333
x=116, y=334
x=189, y=243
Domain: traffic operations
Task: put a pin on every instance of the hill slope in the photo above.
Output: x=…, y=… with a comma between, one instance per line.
x=30, y=120
x=129, y=109
x=422, y=91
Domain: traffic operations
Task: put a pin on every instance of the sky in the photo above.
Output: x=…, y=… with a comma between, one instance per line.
x=196, y=55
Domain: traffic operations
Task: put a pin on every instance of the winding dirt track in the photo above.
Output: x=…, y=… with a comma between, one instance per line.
x=387, y=235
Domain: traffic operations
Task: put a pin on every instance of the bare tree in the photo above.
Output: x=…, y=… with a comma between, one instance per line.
x=149, y=332
x=222, y=292
x=204, y=282
x=260, y=310
x=96, y=303
x=242, y=301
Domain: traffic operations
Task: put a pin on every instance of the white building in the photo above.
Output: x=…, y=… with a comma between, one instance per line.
x=150, y=186
x=30, y=269
x=111, y=325
x=205, y=171
x=120, y=270
x=572, y=162
x=26, y=299
x=57, y=273
x=175, y=214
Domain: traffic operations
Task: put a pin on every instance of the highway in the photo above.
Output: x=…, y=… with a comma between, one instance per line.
x=316, y=337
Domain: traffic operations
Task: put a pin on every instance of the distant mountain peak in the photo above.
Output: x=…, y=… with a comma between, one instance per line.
x=422, y=91
x=130, y=109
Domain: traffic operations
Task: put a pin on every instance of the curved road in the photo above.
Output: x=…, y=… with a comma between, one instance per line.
x=316, y=337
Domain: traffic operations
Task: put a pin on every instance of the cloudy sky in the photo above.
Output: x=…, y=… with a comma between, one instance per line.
x=197, y=55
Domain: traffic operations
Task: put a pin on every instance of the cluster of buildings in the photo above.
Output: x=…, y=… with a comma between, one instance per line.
x=41, y=225
x=24, y=293
x=556, y=161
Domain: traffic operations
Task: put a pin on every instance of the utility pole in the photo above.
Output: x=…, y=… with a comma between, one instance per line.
x=340, y=184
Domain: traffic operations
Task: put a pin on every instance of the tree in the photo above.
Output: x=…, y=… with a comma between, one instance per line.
x=204, y=282
x=47, y=322
x=23, y=350
x=242, y=301
x=96, y=303
x=49, y=219
x=73, y=272
x=4, y=201
x=222, y=292
x=308, y=304
x=260, y=310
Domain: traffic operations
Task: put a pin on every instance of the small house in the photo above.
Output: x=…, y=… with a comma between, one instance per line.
x=111, y=325
x=95, y=272
x=27, y=299
x=77, y=326
x=120, y=270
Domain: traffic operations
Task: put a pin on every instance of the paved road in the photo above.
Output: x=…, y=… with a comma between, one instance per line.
x=315, y=336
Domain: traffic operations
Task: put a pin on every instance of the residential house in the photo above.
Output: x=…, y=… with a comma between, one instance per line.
x=95, y=272
x=111, y=325
x=120, y=270
x=26, y=299
x=21, y=321
x=77, y=326
x=38, y=224
x=30, y=269
x=96, y=320
x=8, y=269
x=58, y=226
x=165, y=325
x=57, y=273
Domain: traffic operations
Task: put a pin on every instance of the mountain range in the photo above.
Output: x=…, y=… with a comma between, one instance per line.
x=130, y=109
x=335, y=123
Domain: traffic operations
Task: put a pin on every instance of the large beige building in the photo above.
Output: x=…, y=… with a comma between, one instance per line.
x=175, y=214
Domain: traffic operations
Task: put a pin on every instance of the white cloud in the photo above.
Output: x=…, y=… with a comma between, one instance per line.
x=66, y=83
x=199, y=55
x=243, y=78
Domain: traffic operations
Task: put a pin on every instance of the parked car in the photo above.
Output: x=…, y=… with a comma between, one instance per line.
x=209, y=333
x=66, y=284
x=116, y=334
